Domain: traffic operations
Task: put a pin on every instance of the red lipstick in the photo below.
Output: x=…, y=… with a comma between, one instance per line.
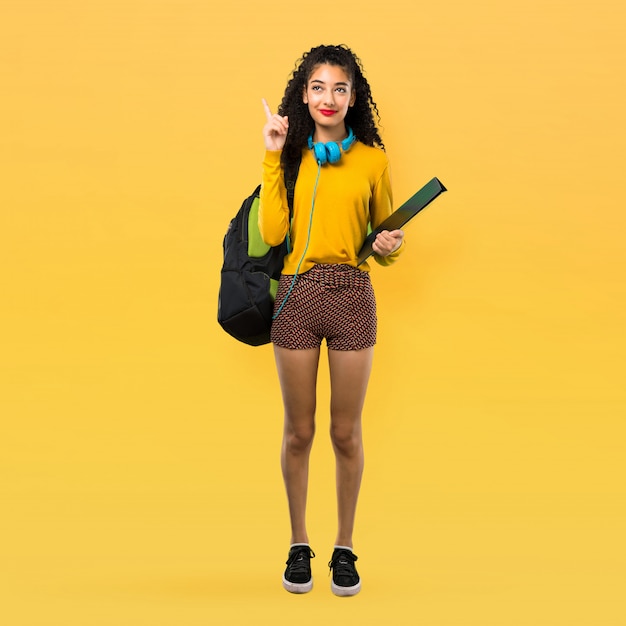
x=327, y=112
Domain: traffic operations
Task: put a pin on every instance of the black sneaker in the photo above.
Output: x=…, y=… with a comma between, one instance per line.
x=297, y=577
x=346, y=581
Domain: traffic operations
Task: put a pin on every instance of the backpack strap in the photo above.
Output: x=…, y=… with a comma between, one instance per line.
x=290, y=184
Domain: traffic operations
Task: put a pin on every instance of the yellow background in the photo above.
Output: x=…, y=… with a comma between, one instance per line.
x=139, y=443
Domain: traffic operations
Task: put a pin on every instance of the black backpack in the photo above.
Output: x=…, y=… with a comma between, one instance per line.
x=250, y=274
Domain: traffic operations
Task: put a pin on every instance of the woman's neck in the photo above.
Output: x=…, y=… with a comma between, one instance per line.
x=324, y=135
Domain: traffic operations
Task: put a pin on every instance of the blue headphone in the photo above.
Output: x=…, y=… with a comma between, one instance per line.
x=331, y=152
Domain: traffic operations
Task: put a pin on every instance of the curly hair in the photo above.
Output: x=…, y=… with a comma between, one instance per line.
x=362, y=117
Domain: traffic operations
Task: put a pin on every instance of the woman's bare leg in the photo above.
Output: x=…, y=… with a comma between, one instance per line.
x=297, y=372
x=349, y=376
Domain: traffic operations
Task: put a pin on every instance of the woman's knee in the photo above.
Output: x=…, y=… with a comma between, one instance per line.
x=346, y=439
x=299, y=439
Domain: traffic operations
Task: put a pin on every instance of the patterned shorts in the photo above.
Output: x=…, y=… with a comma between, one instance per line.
x=332, y=302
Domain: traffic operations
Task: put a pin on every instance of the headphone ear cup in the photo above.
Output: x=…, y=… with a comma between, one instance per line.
x=334, y=153
x=320, y=153
x=330, y=152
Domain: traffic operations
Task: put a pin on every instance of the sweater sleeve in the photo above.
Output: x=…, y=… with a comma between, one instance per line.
x=381, y=207
x=273, y=205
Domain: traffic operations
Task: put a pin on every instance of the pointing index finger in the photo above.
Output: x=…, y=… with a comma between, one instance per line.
x=268, y=112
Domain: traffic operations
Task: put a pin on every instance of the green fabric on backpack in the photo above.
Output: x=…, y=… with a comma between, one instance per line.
x=256, y=246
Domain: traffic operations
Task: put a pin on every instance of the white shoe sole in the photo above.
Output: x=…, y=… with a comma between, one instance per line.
x=345, y=591
x=298, y=587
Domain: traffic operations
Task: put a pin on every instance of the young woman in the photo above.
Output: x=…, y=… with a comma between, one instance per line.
x=326, y=124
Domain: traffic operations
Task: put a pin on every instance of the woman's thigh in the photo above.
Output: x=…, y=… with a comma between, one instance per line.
x=349, y=376
x=297, y=373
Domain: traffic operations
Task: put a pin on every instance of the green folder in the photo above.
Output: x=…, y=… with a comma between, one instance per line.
x=403, y=214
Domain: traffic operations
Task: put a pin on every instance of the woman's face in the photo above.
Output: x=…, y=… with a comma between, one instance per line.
x=329, y=94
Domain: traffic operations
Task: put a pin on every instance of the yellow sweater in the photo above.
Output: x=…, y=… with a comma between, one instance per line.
x=350, y=194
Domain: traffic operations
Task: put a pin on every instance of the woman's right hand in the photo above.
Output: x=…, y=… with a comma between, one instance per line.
x=275, y=130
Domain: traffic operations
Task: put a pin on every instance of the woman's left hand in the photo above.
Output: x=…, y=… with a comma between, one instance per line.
x=387, y=242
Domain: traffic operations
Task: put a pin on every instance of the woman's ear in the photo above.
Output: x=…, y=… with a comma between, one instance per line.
x=352, y=98
x=305, y=98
